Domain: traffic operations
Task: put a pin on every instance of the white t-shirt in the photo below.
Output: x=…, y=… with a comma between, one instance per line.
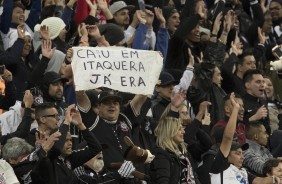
x=7, y=174
x=232, y=175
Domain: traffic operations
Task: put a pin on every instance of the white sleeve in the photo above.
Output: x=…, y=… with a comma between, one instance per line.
x=128, y=33
x=185, y=80
x=150, y=38
x=9, y=173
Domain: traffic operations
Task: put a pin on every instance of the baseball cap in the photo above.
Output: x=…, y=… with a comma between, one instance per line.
x=108, y=95
x=51, y=77
x=236, y=145
x=119, y=5
x=166, y=78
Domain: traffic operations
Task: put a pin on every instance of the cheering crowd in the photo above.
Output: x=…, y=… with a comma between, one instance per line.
x=214, y=117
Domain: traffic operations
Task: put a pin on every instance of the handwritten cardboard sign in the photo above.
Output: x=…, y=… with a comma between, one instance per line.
x=123, y=69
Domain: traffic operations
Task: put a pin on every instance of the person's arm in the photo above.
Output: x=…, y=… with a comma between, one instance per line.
x=188, y=74
x=34, y=14
x=38, y=72
x=137, y=103
x=92, y=6
x=24, y=127
x=10, y=91
x=103, y=5
x=80, y=157
x=229, y=130
x=140, y=33
x=193, y=128
x=81, y=11
x=6, y=17
x=150, y=39
x=67, y=13
x=227, y=23
x=14, y=53
x=83, y=101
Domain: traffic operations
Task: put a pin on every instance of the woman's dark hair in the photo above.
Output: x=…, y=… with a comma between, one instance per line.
x=18, y=4
x=51, y=11
x=269, y=165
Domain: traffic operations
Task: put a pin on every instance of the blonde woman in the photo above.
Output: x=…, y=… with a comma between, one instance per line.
x=171, y=164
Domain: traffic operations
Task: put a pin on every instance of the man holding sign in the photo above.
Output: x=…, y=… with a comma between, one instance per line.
x=121, y=69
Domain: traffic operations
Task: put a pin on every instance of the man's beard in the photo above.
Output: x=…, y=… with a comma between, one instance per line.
x=98, y=165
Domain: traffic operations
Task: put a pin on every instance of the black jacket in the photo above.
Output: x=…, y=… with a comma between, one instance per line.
x=165, y=168
x=251, y=105
x=54, y=170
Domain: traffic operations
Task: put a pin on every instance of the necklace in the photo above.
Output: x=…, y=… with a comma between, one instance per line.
x=114, y=127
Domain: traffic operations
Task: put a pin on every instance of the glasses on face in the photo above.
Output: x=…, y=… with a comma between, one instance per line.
x=56, y=116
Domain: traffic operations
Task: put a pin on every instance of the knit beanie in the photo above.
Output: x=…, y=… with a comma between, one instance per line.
x=55, y=26
x=112, y=32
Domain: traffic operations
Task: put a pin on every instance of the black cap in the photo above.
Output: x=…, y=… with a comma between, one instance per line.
x=108, y=95
x=112, y=32
x=166, y=78
x=51, y=77
x=236, y=145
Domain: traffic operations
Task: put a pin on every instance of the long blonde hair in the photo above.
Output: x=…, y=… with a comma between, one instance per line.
x=166, y=129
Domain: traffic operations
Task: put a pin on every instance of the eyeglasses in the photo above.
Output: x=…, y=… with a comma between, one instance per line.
x=56, y=116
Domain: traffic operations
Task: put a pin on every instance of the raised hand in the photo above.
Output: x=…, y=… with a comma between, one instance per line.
x=93, y=31
x=141, y=16
x=207, y=119
x=229, y=20
x=46, y=49
x=203, y=107
x=73, y=116
x=91, y=5
x=177, y=98
x=44, y=32
x=149, y=18
x=160, y=17
x=217, y=23
x=261, y=36
x=69, y=55
x=49, y=141
x=200, y=9
x=102, y=4
x=233, y=101
x=28, y=99
x=7, y=76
